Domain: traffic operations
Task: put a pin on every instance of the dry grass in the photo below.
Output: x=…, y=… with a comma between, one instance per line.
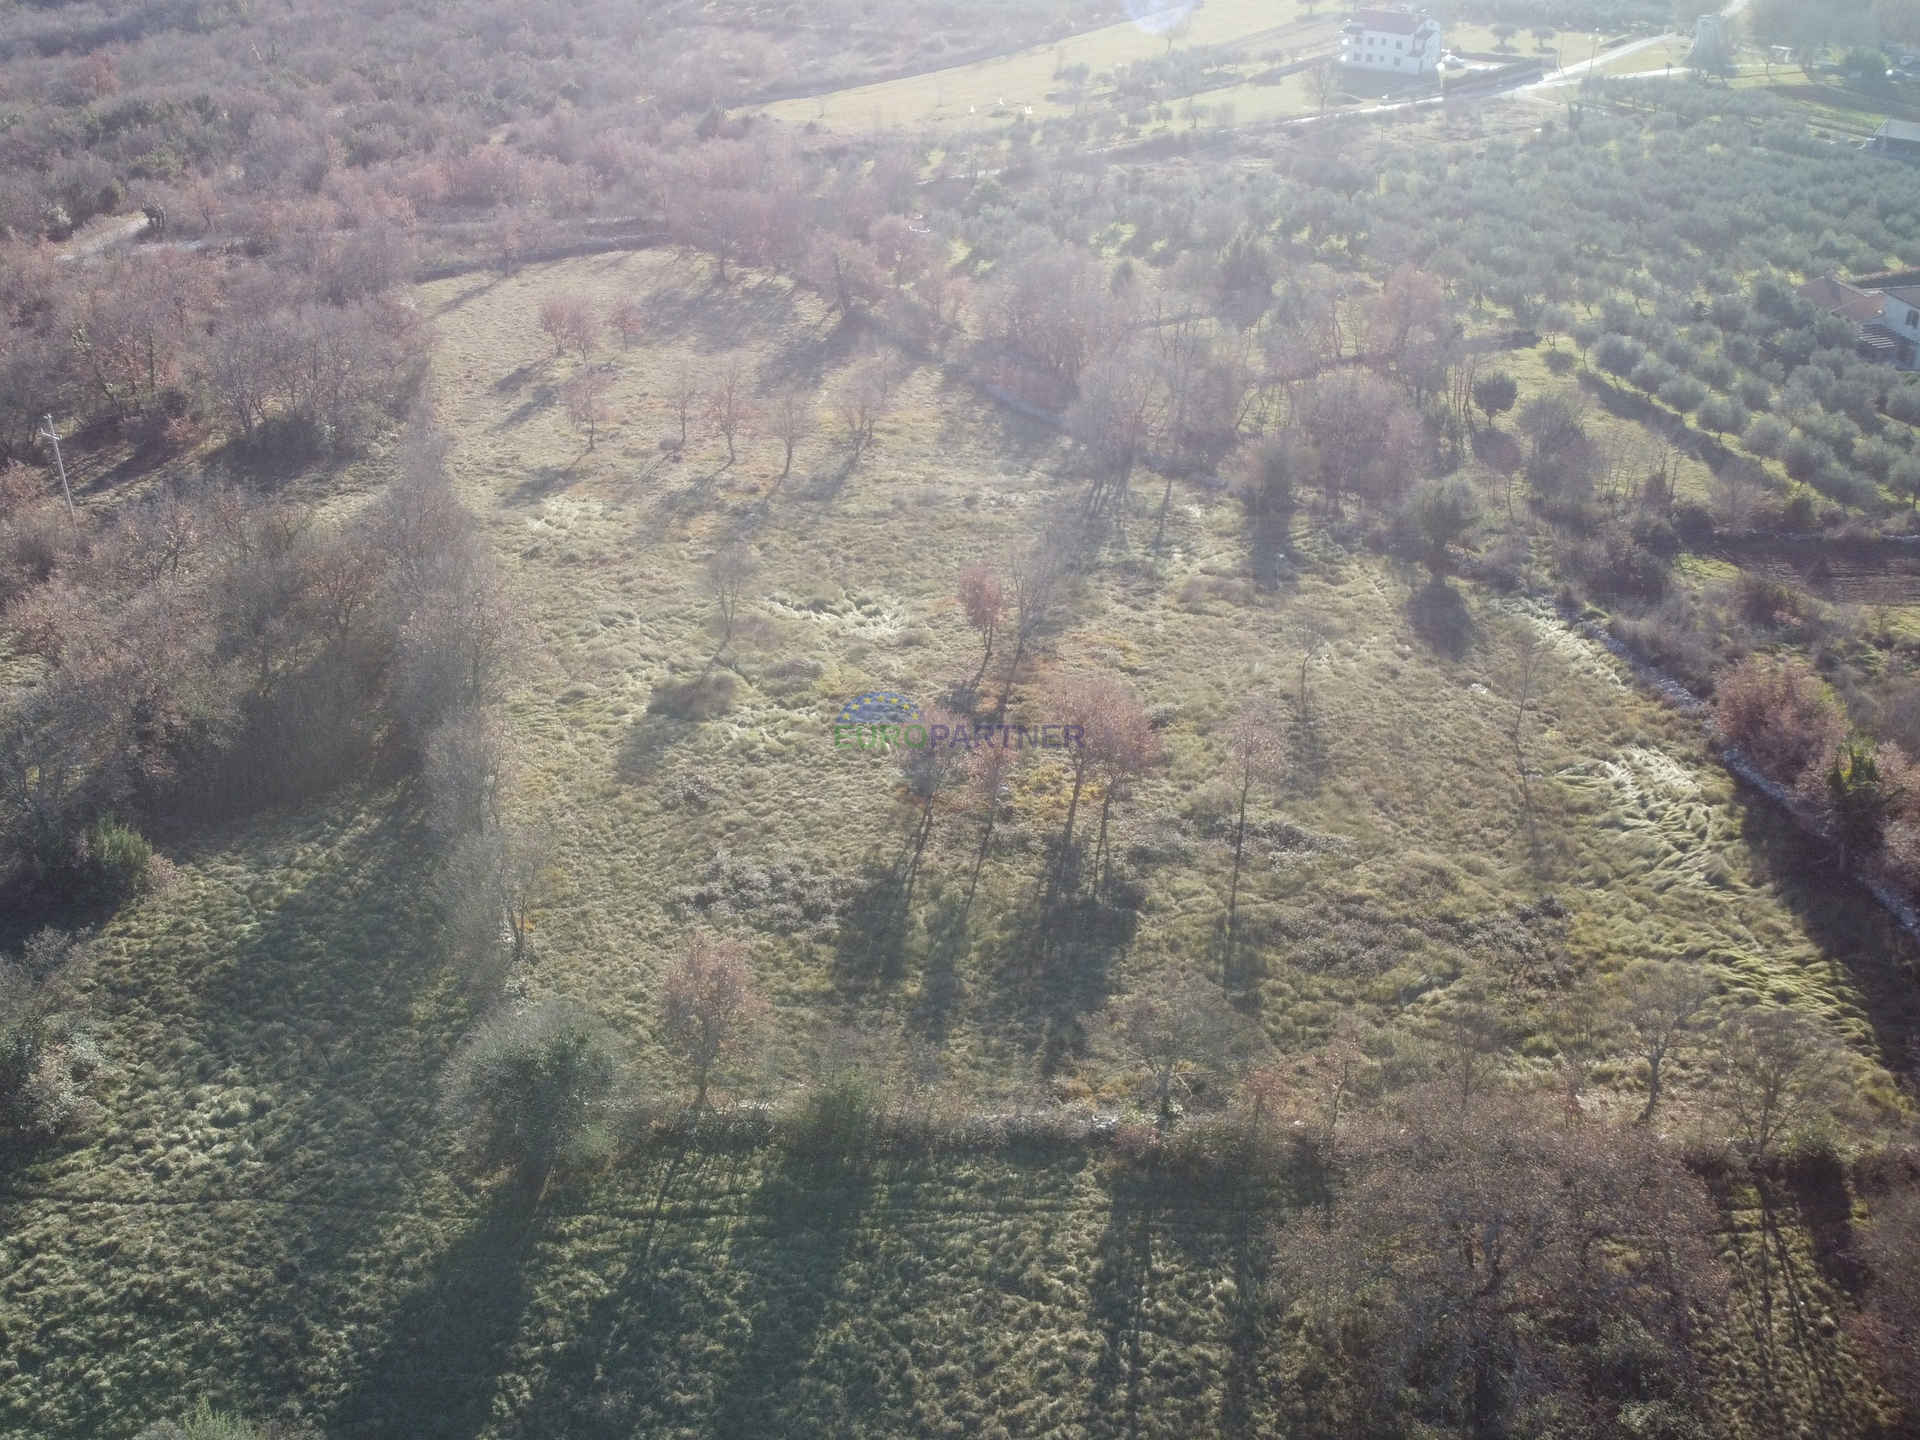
x=1413, y=697
x=267, y=1213
x=1022, y=85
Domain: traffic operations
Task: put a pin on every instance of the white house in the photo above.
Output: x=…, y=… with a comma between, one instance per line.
x=1889, y=320
x=1391, y=40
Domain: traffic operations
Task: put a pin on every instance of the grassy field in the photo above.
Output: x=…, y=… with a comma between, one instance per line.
x=1012, y=87
x=267, y=1212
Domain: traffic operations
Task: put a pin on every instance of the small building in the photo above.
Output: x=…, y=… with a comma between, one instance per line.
x=1889, y=320
x=1391, y=40
x=1897, y=137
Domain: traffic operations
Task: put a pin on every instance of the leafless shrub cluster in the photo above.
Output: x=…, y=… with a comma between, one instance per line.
x=207, y=650
x=1487, y=1269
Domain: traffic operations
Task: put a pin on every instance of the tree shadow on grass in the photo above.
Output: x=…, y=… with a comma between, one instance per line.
x=1441, y=619
x=947, y=922
x=1215, y=1222
x=1845, y=924
x=679, y=1342
x=1270, y=550
x=804, y=1223
x=717, y=318
x=445, y=1347
x=541, y=398
x=1497, y=450
x=876, y=924
x=803, y=358
x=1055, y=963
x=648, y=747
x=544, y=480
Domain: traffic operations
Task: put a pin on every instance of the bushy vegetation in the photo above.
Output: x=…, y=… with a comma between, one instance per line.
x=207, y=650
x=48, y=1053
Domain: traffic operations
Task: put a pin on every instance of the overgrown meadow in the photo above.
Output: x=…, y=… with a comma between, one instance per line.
x=270, y=1211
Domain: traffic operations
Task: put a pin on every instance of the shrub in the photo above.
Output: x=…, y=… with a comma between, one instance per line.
x=836, y=1118
x=47, y=1056
x=1443, y=511
x=534, y=1086
x=1782, y=714
x=115, y=862
x=1693, y=523
x=1270, y=474
x=710, y=1009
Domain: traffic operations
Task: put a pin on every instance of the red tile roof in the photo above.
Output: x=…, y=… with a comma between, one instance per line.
x=1849, y=301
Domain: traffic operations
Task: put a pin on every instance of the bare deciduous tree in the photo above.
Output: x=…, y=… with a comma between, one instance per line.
x=468, y=767
x=571, y=324
x=928, y=770
x=988, y=769
x=729, y=406
x=585, y=395
x=728, y=581
x=710, y=1009
x=1661, y=1006
x=462, y=642
x=981, y=601
x=1179, y=1031
x=1474, y=1265
x=1116, y=743
x=683, y=396
x=1323, y=83
x=862, y=399
x=1776, y=1071
x=492, y=886
x=1035, y=574
x=1255, y=758
x=626, y=320
x=790, y=420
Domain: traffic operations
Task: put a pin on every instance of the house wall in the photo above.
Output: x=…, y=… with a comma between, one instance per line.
x=1378, y=50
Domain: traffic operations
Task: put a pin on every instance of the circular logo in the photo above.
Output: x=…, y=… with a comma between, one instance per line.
x=878, y=707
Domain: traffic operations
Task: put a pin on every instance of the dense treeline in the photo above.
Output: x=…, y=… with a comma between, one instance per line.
x=206, y=651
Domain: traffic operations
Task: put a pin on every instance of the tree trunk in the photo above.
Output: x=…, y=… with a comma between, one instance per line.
x=1233, y=891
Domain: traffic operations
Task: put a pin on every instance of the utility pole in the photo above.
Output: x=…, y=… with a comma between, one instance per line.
x=51, y=434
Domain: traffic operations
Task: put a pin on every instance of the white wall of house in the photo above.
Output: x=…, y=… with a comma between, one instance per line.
x=1410, y=51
